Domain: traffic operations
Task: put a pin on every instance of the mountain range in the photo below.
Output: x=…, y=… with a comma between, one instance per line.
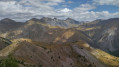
x=52, y=42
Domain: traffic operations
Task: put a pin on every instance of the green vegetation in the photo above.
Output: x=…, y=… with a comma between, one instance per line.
x=8, y=62
x=40, y=65
x=7, y=41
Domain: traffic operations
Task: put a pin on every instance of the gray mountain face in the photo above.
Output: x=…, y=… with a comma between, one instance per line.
x=45, y=29
x=105, y=35
x=8, y=25
x=102, y=34
x=68, y=23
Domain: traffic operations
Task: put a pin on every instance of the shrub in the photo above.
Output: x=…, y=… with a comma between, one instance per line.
x=8, y=62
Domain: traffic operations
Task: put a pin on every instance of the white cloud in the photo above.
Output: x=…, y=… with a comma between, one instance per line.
x=55, y=0
x=12, y=7
x=38, y=3
x=70, y=2
x=26, y=9
x=83, y=13
x=107, y=2
x=7, y=0
x=84, y=7
x=65, y=10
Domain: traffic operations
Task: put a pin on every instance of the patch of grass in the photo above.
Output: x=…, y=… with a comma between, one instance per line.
x=8, y=62
x=106, y=58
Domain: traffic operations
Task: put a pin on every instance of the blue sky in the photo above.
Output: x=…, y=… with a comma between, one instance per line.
x=75, y=3
x=81, y=10
x=110, y=8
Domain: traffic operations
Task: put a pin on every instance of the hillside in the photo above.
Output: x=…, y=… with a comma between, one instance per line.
x=46, y=33
x=4, y=42
x=8, y=25
x=37, y=43
x=104, y=33
x=33, y=53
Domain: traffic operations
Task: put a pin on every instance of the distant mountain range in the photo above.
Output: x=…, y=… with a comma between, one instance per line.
x=48, y=42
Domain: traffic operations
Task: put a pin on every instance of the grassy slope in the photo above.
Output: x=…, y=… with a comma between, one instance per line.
x=46, y=54
x=106, y=58
x=103, y=57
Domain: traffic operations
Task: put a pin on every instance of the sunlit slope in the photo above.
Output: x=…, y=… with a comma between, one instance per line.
x=10, y=48
x=38, y=31
x=48, y=55
x=97, y=56
x=84, y=49
x=106, y=58
x=34, y=52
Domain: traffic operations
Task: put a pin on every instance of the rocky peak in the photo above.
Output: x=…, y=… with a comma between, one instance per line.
x=72, y=21
x=69, y=19
x=33, y=19
x=46, y=18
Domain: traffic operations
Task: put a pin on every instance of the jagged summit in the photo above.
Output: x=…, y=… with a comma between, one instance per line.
x=34, y=19
x=68, y=23
x=69, y=18
x=46, y=18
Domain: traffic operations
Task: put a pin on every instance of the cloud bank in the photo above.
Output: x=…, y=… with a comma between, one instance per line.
x=22, y=10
